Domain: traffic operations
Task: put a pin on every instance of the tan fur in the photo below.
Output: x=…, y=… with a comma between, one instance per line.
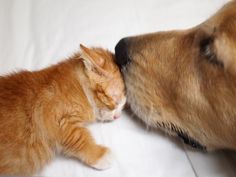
x=45, y=111
x=185, y=81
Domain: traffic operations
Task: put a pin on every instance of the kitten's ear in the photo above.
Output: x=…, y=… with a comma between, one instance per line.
x=92, y=60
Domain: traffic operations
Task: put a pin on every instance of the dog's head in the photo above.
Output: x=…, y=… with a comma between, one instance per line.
x=185, y=81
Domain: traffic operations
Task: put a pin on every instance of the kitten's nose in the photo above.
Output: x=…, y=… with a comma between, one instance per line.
x=117, y=116
x=121, y=52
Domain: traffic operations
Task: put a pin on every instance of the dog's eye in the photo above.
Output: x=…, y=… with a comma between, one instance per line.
x=207, y=51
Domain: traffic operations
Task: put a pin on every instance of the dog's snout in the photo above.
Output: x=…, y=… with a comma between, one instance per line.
x=121, y=52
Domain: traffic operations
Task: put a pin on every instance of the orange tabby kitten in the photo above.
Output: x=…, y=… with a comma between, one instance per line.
x=47, y=110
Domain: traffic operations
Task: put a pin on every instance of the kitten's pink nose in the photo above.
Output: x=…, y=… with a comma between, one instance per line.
x=117, y=116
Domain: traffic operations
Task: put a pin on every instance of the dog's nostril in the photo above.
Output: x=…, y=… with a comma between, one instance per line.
x=121, y=52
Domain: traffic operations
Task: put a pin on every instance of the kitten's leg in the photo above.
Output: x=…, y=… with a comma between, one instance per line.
x=78, y=142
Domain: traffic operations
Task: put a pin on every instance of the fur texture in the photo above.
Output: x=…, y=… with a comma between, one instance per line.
x=185, y=81
x=46, y=111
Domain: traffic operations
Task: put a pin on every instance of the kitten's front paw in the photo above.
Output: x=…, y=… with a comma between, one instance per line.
x=105, y=161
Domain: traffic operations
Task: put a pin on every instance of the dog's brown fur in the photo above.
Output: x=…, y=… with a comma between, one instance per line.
x=185, y=81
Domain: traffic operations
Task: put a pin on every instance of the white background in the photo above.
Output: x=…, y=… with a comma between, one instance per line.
x=37, y=33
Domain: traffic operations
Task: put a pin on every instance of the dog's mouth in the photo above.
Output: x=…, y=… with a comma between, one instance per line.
x=170, y=128
x=191, y=142
x=183, y=135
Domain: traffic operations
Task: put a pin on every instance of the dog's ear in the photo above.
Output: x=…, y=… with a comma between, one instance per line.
x=93, y=61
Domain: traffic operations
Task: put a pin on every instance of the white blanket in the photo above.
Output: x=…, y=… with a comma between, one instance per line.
x=37, y=33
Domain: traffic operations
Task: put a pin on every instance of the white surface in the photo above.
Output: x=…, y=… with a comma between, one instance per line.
x=36, y=33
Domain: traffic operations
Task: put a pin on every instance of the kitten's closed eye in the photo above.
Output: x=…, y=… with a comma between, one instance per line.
x=65, y=105
x=106, y=100
x=107, y=84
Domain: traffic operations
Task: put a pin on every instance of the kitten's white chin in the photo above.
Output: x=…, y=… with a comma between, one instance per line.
x=105, y=120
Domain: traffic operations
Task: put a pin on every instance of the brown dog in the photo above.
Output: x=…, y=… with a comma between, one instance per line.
x=185, y=81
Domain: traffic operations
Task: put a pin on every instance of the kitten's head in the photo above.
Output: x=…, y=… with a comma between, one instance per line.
x=106, y=82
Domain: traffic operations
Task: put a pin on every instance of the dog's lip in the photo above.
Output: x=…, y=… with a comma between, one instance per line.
x=191, y=142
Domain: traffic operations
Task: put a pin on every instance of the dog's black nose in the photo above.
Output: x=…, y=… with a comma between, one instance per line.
x=121, y=52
